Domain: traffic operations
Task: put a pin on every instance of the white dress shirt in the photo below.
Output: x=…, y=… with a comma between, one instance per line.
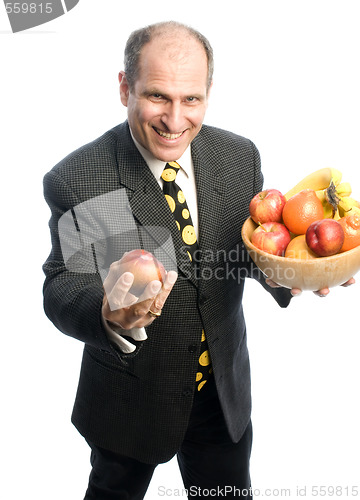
x=186, y=180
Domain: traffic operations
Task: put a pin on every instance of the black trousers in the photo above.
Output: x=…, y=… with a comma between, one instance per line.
x=211, y=465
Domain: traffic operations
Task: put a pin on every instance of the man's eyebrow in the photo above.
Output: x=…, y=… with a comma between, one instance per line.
x=152, y=91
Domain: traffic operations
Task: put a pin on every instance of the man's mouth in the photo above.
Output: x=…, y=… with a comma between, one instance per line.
x=168, y=136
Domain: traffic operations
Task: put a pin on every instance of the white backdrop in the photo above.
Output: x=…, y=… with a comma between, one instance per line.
x=286, y=76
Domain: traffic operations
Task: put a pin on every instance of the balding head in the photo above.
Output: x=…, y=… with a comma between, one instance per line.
x=178, y=37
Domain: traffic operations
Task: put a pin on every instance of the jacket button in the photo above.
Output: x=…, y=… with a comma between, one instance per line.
x=192, y=348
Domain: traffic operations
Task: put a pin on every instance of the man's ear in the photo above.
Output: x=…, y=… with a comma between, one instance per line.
x=124, y=88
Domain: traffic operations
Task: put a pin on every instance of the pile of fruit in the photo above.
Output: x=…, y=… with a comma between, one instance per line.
x=316, y=218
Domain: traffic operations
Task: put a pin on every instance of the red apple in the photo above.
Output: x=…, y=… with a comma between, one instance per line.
x=325, y=237
x=271, y=237
x=145, y=268
x=267, y=206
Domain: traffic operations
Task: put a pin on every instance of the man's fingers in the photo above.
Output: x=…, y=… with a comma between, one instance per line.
x=272, y=283
x=113, y=275
x=137, y=314
x=325, y=291
x=152, y=289
x=133, y=316
x=129, y=311
x=161, y=297
x=349, y=282
x=118, y=295
x=322, y=293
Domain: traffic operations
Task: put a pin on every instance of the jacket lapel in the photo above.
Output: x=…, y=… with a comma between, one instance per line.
x=210, y=196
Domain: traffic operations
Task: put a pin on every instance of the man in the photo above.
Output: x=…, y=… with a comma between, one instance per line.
x=142, y=397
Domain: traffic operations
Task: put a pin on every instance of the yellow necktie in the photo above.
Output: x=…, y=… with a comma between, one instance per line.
x=178, y=206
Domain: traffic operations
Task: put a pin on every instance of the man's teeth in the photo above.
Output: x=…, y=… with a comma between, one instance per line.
x=168, y=136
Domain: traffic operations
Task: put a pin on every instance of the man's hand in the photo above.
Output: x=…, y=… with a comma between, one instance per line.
x=127, y=311
x=320, y=293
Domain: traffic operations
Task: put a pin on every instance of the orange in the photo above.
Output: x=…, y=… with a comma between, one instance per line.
x=351, y=227
x=298, y=249
x=301, y=210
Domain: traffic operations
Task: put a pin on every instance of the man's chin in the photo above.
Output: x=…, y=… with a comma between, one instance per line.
x=169, y=153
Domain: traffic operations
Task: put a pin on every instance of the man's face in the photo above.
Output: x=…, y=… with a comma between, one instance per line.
x=167, y=105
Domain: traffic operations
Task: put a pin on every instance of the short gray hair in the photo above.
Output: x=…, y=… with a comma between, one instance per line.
x=142, y=36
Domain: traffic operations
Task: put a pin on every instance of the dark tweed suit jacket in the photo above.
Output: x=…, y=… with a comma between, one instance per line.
x=139, y=404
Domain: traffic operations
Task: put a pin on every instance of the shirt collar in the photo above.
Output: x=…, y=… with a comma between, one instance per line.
x=157, y=166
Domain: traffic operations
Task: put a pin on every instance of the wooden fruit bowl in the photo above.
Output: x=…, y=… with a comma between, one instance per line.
x=313, y=274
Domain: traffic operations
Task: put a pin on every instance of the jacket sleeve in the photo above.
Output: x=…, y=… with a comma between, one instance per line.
x=73, y=295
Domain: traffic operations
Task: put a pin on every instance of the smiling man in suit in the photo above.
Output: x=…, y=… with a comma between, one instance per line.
x=167, y=374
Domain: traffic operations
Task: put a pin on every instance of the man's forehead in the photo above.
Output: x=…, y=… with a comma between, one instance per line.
x=177, y=47
x=179, y=62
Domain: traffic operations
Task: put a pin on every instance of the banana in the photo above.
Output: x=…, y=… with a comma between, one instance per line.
x=331, y=196
x=348, y=205
x=352, y=211
x=328, y=209
x=343, y=189
x=320, y=179
x=320, y=193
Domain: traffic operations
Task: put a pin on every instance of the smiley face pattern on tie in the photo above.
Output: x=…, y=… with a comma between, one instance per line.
x=205, y=368
x=178, y=206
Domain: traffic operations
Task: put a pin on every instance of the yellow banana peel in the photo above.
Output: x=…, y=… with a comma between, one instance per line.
x=352, y=211
x=348, y=205
x=320, y=179
x=331, y=196
x=343, y=189
x=328, y=209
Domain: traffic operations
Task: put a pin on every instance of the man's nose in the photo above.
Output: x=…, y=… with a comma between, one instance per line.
x=173, y=117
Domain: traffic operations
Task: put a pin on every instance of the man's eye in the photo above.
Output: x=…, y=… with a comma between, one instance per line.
x=156, y=96
x=191, y=99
